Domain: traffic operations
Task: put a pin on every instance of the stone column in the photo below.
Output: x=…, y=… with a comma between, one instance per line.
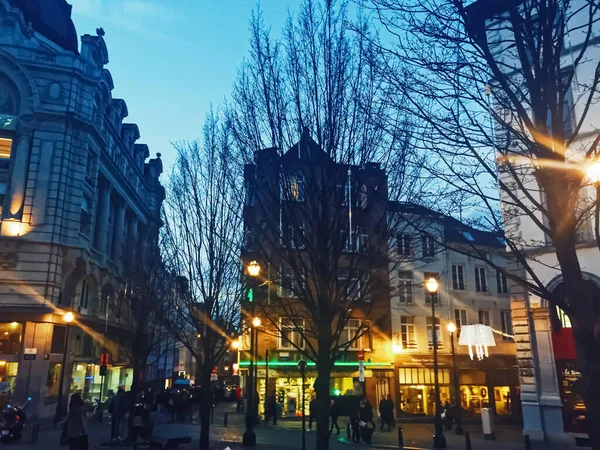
x=118, y=225
x=102, y=219
x=18, y=183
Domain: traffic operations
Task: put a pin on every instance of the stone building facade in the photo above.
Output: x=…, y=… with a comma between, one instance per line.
x=426, y=244
x=80, y=202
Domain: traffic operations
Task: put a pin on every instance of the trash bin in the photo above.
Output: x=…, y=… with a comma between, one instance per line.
x=487, y=423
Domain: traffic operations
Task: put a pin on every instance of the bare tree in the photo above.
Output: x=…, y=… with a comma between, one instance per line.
x=510, y=87
x=204, y=235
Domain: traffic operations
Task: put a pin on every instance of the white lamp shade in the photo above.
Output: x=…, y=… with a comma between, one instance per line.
x=477, y=337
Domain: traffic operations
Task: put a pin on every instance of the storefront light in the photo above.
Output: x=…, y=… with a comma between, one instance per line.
x=14, y=324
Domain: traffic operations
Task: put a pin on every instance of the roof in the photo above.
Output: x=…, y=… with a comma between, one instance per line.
x=306, y=149
x=454, y=229
x=52, y=19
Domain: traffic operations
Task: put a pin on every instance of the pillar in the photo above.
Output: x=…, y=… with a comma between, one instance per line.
x=102, y=218
x=118, y=225
x=18, y=182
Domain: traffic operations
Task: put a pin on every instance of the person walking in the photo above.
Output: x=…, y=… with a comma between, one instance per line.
x=369, y=413
x=75, y=424
x=117, y=410
x=239, y=398
x=334, y=414
x=271, y=408
x=312, y=412
x=447, y=416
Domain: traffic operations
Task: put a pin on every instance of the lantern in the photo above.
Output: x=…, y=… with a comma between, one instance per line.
x=478, y=338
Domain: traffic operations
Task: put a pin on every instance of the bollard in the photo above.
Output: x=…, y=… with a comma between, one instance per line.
x=527, y=442
x=400, y=439
x=225, y=420
x=348, y=432
x=468, y=441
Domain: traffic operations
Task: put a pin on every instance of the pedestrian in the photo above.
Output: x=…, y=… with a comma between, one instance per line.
x=117, y=410
x=148, y=399
x=386, y=409
x=74, y=426
x=355, y=427
x=369, y=413
x=448, y=417
x=334, y=413
x=238, y=398
x=271, y=408
x=312, y=411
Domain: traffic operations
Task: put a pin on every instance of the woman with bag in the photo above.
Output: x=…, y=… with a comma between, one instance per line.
x=74, y=432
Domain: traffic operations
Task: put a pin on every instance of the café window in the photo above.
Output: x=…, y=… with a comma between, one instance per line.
x=11, y=334
x=52, y=383
x=5, y=148
x=8, y=378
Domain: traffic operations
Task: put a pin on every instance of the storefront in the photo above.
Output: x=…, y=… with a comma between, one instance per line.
x=86, y=380
x=490, y=383
x=11, y=343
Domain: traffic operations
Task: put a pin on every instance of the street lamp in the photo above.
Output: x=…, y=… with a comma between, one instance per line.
x=302, y=368
x=68, y=318
x=452, y=329
x=439, y=440
x=249, y=437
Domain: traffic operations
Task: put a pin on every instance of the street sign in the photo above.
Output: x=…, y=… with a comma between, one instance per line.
x=29, y=354
x=361, y=355
x=361, y=371
x=214, y=377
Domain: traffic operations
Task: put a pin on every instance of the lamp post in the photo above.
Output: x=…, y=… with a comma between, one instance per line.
x=439, y=440
x=249, y=437
x=452, y=329
x=302, y=368
x=68, y=318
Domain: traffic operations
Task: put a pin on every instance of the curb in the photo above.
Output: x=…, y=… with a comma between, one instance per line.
x=384, y=446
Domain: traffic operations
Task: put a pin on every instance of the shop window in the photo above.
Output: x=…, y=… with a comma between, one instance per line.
x=417, y=393
x=291, y=331
x=501, y=282
x=10, y=338
x=458, y=277
x=407, y=330
x=58, y=339
x=8, y=378
x=405, y=287
x=502, y=400
x=484, y=317
x=480, y=280
x=52, y=383
x=351, y=335
x=507, y=328
x=5, y=150
x=474, y=397
x=438, y=335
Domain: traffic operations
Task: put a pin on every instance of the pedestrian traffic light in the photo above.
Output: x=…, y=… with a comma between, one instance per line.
x=104, y=359
x=103, y=369
x=250, y=295
x=337, y=392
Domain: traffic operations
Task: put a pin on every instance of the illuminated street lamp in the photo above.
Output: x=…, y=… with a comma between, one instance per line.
x=67, y=318
x=235, y=345
x=439, y=440
x=452, y=329
x=249, y=437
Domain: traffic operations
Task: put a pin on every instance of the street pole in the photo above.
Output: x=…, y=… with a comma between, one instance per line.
x=59, y=408
x=267, y=379
x=302, y=367
x=249, y=436
x=458, y=413
x=439, y=440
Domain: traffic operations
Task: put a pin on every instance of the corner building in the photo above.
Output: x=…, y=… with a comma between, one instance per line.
x=79, y=201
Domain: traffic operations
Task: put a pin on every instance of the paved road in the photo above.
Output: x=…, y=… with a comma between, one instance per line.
x=287, y=435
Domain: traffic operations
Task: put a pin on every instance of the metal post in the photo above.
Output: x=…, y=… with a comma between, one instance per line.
x=249, y=437
x=59, y=407
x=303, y=412
x=439, y=440
x=468, y=441
x=400, y=439
x=267, y=380
x=458, y=418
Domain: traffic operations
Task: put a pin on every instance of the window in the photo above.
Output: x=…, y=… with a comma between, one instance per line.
x=405, y=287
x=404, y=244
x=427, y=276
x=437, y=333
x=291, y=332
x=362, y=239
x=427, y=246
x=564, y=319
x=407, y=331
x=480, y=280
x=293, y=187
x=501, y=282
x=88, y=167
x=288, y=286
x=362, y=197
x=250, y=193
x=458, y=277
x=58, y=339
x=52, y=383
x=85, y=219
x=484, y=317
x=11, y=334
x=84, y=295
x=5, y=148
x=460, y=317
x=507, y=328
x=350, y=334
x=349, y=283
x=249, y=240
x=296, y=235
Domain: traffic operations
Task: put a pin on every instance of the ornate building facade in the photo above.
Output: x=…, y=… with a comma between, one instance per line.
x=80, y=202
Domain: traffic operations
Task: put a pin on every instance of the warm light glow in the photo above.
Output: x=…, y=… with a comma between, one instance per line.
x=253, y=269
x=235, y=345
x=2, y=363
x=432, y=285
x=14, y=324
x=396, y=348
x=592, y=172
x=451, y=327
x=256, y=322
x=198, y=335
x=68, y=317
x=6, y=332
x=478, y=337
x=14, y=228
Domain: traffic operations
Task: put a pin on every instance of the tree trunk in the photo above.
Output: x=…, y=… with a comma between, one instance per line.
x=588, y=358
x=322, y=403
x=205, y=405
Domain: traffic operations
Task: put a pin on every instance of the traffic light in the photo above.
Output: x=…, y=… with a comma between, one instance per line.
x=103, y=370
x=104, y=359
x=250, y=295
x=337, y=392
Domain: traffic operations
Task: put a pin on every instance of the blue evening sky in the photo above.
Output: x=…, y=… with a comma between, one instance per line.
x=170, y=59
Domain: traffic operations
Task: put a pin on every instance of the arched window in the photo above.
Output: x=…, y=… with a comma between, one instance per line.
x=87, y=293
x=108, y=294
